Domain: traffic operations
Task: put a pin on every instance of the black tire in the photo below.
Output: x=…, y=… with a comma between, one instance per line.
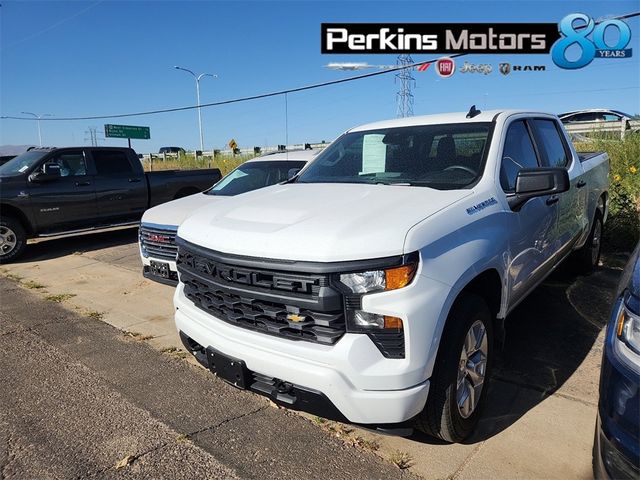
x=441, y=416
x=13, y=239
x=586, y=259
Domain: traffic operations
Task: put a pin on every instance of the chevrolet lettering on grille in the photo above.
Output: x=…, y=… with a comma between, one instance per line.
x=242, y=276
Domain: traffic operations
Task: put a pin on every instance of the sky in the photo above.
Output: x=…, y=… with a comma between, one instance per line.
x=82, y=58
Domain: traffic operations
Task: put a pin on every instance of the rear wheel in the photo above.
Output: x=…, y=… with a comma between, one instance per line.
x=13, y=239
x=458, y=385
x=586, y=258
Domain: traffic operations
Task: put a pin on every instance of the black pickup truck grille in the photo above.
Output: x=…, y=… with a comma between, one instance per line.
x=158, y=242
x=296, y=306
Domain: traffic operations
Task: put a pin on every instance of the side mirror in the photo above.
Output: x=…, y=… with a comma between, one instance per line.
x=293, y=172
x=49, y=172
x=538, y=182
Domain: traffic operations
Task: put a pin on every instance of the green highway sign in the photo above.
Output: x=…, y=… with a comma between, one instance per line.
x=127, y=131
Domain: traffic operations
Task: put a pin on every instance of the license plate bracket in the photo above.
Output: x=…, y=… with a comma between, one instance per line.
x=159, y=269
x=229, y=369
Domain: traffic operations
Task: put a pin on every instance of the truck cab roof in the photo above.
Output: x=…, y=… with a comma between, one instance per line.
x=444, y=118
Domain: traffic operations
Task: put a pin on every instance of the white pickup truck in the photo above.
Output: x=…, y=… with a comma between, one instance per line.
x=158, y=227
x=373, y=286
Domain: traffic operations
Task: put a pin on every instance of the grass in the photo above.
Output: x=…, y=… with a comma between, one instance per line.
x=622, y=231
x=225, y=163
x=61, y=297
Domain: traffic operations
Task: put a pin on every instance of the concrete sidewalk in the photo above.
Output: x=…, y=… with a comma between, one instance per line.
x=541, y=409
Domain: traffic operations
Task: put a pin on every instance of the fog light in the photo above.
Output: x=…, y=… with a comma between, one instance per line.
x=368, y=320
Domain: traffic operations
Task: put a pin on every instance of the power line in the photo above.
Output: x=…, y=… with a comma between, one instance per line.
x=244, y=99
x=270, y=94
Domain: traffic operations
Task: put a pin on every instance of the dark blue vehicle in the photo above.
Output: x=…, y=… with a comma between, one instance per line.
x=616, y=449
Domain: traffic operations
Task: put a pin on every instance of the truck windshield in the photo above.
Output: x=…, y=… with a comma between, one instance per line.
x=22, y=163
x=444, y=157
x=254, y=175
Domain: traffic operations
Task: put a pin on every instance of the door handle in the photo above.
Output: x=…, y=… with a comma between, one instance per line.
x=552, y=200
x=581, y=184
x=134, y=180
x=83, y=184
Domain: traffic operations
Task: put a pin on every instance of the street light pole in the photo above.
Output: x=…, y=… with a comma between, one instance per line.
x=38, y=121
x=198, y=78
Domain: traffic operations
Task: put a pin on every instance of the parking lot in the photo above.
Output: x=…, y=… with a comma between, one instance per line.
x=538, y=423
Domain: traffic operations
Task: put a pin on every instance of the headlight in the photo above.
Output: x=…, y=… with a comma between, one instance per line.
x=379, y=280
x=628, y=328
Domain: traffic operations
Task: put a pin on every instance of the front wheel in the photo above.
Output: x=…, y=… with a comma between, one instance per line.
x=13, y=239
x=458, y=384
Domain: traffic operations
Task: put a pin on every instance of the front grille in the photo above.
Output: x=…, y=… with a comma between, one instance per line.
x=296, y=306
x=158, y=242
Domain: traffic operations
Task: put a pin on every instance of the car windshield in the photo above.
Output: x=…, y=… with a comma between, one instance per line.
x=253, y=175
x=444, y=157
x=22, y=163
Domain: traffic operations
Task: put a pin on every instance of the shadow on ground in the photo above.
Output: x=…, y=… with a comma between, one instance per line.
x=46, y=249
x=548, y=336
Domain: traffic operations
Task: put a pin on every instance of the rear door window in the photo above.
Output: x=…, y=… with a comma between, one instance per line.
x=111, y=162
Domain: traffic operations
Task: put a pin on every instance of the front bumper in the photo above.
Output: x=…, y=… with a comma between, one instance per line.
x=363, y=385
x=147, y=271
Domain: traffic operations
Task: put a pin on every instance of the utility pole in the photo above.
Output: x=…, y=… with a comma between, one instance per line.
x=38, y=117
x=404, y=97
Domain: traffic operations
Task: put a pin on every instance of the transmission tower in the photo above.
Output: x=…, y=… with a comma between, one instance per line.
x=404, y=97
x=93, y=136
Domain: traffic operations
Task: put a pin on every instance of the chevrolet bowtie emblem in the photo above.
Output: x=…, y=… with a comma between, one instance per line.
x=294, y=317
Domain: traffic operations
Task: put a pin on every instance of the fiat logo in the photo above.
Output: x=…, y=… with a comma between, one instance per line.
x=445, y=67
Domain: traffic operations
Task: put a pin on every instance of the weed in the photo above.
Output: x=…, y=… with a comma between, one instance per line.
x=400, y=459
x=13, y=276
x=622, y=230
x=61, y=297
x=183, y=437
x=365, y=443
x=94, y=315
x=175, y=352
x=137, y=336
x=33, y=285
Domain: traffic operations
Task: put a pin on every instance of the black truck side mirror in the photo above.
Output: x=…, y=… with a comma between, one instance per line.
x=49, y=172
x=538, y=182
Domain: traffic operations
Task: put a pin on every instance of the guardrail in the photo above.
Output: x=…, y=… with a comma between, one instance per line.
x=623, y=127
x=241, y=151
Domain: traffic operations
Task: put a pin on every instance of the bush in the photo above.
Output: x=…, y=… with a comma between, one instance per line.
x=622, y=231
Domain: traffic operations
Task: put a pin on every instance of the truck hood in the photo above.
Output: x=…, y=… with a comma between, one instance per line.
x=316, y=222
x=174, y=212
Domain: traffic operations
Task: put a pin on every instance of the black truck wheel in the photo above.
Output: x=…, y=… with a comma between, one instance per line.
x=13, y=239
x=459, y=381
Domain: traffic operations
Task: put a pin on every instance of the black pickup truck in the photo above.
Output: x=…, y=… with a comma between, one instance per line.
x=46, y=192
